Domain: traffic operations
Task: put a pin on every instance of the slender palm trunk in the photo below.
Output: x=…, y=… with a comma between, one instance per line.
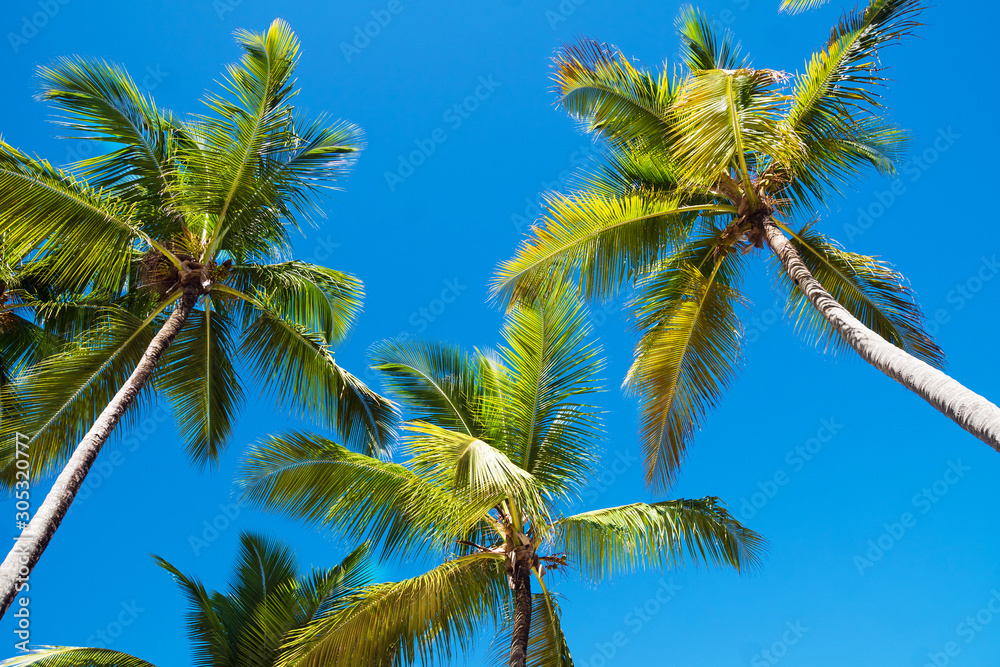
x=521, y=580
x=29, y=547
x=966, y=408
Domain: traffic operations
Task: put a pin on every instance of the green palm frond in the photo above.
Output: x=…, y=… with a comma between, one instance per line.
x=659, y=536
x=871, y=290
x=727, y=120
x=311, y=478
x=99, y=101
x=86, y=236
x=690, y=349
x=318, y=298
x=62, y=395
x=430, y=618
x=596, y=241
x=251, y=123
x=208, y=635
x=71, y=656
x=796, y=6
x=602, y=89
x=702, y=48
x=302, y=372
x=440, y=383
x=553, y=364
x=200, y=379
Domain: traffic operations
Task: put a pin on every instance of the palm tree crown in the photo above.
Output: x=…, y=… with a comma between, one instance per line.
x=497, y=443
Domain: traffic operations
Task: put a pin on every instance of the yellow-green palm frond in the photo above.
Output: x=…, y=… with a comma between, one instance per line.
x=870, y=289
x=796, y=6
x=71, y=656
x=314, y=479
x=726, y=120
x=86, y=236
x=99, y=101
x=659, y=536
x=321, y=299
x=597, y=242
x=428, y=619
x=690, y=351
x=602, y=89
x=702, y=48
x=554, y=367
x=199, y=377
x=439, y=383
x=301, y=371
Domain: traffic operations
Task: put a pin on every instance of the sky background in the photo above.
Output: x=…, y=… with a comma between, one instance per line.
x=441, y=231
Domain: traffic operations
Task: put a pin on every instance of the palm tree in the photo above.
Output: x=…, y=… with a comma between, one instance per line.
x=701, y=170
x=268, y=600
x=184, y=230
x=497, y=445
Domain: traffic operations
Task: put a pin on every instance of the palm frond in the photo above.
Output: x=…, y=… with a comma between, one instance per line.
x=796, y=6
x=871, y=290
x=690, y=349
x=429, y=618
x=211, y=641
x=602, y=89
x=659, y=536
x=71, y=656
x=198, y=376
x=702, y=48
x=547, y=646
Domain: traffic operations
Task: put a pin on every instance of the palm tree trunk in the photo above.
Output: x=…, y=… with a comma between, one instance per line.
x=521, y=580
x=966, y=408
x=29, y=547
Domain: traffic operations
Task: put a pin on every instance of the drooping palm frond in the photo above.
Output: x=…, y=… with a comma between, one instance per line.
x=602, y=89
x=301, y=371
x=702, y=48
x=658, y=536
x=796, y=6
x=99, y=101
x=314, y=479
x=207, y=633
x=597, y=242
x=690, y=350
x=439, y=383
x=553, y=364
x=200, y=379
x=71, y=656
x=870, y=289
x=320, y=299
x=429, y=619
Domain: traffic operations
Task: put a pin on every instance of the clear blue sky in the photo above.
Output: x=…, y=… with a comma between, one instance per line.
x=445, y=227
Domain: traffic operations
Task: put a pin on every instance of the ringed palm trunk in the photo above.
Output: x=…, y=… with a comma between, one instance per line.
x=31, y=544
x=966, y=408
x=521, y=582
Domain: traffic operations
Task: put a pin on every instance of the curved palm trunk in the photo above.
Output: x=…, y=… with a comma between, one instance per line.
x=521, y=583
x=29, y=547
x=966, y=408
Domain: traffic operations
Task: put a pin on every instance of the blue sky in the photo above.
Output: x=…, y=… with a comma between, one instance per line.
x=820, y=453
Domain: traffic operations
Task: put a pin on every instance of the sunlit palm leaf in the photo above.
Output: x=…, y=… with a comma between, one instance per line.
x=796, y=6
x=701, y=46
x=690, y=350
x=658, y=536
x=69, y=656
